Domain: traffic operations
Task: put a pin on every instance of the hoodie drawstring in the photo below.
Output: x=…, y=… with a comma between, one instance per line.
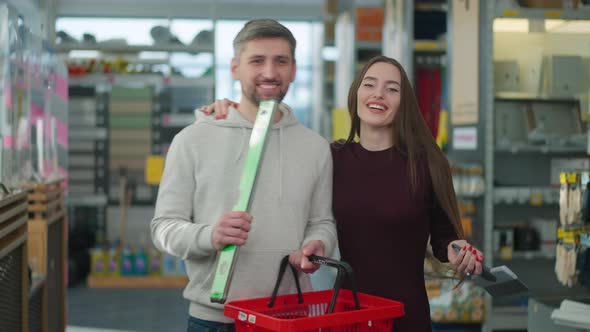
x=243, y=143
x=280, y=163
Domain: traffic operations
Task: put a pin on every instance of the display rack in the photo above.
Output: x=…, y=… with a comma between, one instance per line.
x=38, y=304
x=520, y=190
x=88, y=156
x=14, y=280
x=47, y=232
x=127, y=49
x=130, y=123
x=177, y=103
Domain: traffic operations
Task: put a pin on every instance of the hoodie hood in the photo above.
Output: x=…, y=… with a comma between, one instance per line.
x=236, y=120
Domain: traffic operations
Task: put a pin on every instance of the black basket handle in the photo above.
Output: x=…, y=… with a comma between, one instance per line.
x=282, y=268
x=342, y=267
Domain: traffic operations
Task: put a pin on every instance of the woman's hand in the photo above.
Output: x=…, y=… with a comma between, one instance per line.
x=467, y=260
x=220, y=108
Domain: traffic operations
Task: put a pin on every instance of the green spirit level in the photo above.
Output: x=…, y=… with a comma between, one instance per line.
x=228, y=255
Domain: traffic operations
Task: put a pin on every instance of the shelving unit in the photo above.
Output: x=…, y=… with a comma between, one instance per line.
x=89, y=156
x=129, y=49
x=131, y=111
x=14, y=281
x=518, y=154
x=47, y=253
x=178, y=100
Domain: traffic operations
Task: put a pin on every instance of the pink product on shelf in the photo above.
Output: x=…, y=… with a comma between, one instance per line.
x=61, y=86
x=8, y=93
x=21, y=84
x=165, y=148
x=37, y=112
x=7, y=141
x=62, y=133
x=166, y=119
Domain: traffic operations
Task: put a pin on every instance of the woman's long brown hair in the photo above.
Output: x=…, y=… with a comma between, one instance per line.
x=412, y=137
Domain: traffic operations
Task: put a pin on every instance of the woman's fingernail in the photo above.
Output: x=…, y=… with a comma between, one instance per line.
x=225, y=116
x=470, y=248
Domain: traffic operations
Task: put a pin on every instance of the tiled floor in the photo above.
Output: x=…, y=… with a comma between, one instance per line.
x=90, y=329
x=137, y=310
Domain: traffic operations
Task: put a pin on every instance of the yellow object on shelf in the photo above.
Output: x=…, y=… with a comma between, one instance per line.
x=442, y=139
x=137, y=282
x=154, y=167
x=340, y=123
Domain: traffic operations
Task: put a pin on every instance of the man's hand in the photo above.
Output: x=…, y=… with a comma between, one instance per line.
x=299, y=260
x=231, y=228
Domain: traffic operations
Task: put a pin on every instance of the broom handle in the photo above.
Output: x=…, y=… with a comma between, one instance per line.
x=122, y=207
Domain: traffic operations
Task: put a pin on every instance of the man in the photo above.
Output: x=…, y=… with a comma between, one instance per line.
x=291, y=205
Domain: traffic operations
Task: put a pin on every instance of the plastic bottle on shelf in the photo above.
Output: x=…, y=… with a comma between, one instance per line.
x=98, y=262
x=155, y=262
x=141, y=262
x=127, y=262
x=113, y=266
x=180, y=267
x=168, y=265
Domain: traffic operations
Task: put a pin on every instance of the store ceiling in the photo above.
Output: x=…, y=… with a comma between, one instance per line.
x=243, y=9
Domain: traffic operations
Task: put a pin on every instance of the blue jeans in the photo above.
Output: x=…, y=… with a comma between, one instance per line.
x=199, y=325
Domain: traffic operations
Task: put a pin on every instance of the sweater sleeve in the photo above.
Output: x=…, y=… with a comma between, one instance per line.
x=442, y=232
x=172, y=228
x=321, y=225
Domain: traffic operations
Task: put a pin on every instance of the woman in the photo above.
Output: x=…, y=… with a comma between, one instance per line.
x=392, y=192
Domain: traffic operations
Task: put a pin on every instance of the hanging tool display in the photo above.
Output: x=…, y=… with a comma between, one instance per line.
x=573, y=214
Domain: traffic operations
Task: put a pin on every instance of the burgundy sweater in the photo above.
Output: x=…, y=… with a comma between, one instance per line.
x=383, y=229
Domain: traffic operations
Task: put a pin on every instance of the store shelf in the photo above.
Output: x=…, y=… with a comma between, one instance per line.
x=528, y=255
x=179, y=81
x=431, y=7
x=540, y=149
x=433, y=46
x=95, y=79
x=137, y=282
x=543, y=13
x=88, y=134
x=177, y=120
x=525, y=96
x=508, y=318
x=87, y=200
x=530, y=196
x=368, y=45
x=133, y=48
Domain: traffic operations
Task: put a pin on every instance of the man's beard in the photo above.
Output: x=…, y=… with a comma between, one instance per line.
x=255, y=98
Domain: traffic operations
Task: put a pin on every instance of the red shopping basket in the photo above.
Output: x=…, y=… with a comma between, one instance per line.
x=329, y=310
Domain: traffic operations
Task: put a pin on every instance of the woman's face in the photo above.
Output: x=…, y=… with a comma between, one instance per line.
x=379, y=94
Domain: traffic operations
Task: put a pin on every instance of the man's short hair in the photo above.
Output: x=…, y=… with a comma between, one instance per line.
x=263, y=28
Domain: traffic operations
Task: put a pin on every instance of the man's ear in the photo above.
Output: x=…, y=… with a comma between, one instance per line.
x=234, y=68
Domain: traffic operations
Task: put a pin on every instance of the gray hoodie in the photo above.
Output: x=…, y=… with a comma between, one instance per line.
x=291, y=204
